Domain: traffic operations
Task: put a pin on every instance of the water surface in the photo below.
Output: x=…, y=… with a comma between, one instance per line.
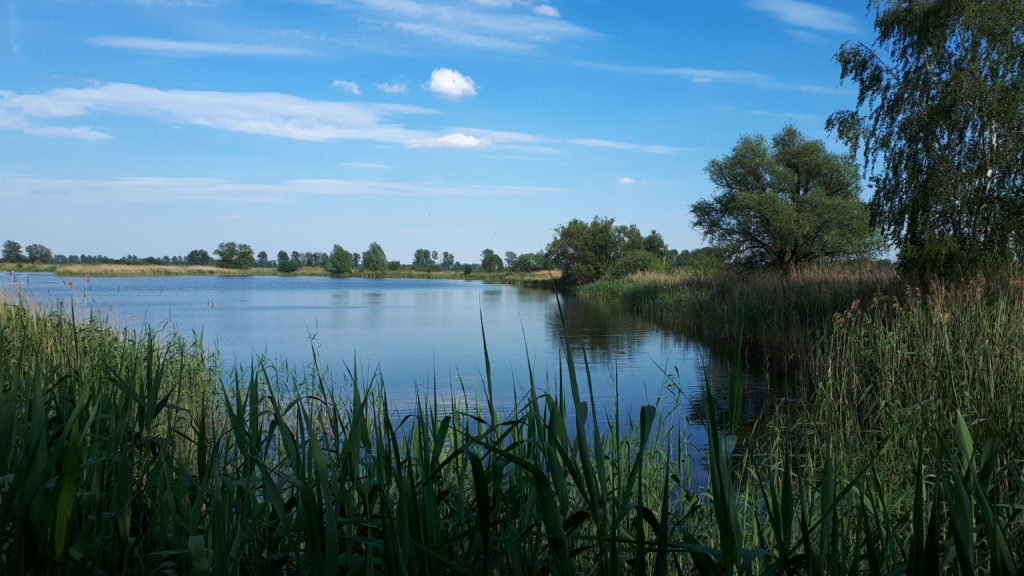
x=417, y=335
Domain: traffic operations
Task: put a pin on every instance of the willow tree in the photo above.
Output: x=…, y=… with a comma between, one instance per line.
x=940, y=123
x=784, y=203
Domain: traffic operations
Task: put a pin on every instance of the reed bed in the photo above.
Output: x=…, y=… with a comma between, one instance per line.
x=897, y=368
x=782, y=318
x=126, y=452
x=155, y=270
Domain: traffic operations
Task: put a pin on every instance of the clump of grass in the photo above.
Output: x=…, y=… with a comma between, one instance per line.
x=130, y=452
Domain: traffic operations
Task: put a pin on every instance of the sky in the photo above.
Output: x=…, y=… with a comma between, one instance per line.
x=155, y=127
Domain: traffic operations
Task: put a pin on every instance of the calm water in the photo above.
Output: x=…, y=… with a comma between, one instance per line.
x=420, y=335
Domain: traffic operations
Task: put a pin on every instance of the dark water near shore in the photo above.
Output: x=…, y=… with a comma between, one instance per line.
x=418, y=335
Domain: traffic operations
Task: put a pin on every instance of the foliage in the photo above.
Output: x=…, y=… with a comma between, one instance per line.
x=262, y=260
x=705, y=258
x=198, y=258
x=288, y=266
x=374, y=258
x=11, y=252
x=38, y=254
x=490, y=261
x=235, y=256
x=423, y=258
x=282, y=256
x=586, y=252
x=527, y=262
x=785, y=203
x=447, y=261
x=942, y=130
x=340, y=261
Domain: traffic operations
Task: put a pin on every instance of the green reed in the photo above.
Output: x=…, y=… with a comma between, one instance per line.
x=127, y=452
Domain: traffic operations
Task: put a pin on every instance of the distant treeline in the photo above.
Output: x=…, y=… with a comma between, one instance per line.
x=585, y=251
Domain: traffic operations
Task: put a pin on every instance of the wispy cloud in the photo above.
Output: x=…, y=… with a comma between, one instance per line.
x=807, y=15
x=456, y=140
x=192, y=48
x=547, y=10
x=808, y=37
x=158, y=189
x=502, y=25
x=625, y=180
x=615, y=145
x=451, y=84
x=267, y=114
x=765, y=113
x=393, y=88
x=10, y=120
x=76, y=132
x=350, y=87
x=703, y=75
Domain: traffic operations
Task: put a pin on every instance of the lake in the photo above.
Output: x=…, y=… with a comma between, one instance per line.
x=419, y=336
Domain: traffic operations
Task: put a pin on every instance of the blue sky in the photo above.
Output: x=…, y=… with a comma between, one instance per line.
x=154, y=127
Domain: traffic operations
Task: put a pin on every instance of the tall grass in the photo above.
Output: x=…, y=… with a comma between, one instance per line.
x=783, y=317
x=129, y=452
x=898, y=368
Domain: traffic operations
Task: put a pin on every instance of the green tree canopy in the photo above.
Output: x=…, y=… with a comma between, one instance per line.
x=447, y=261
x=38, y=254
x=288, y=266
x=942, y=129
x=339, y=262
x=588, y=251
x=423, y=258
x=490, y=262
x=198, y=258
x=11, y=252
x=236, y=256
x=374, y=258
x=784, y=203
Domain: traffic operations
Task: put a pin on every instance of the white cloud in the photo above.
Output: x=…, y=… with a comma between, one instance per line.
x=547, y=10
x=625, y=180
x=11, y=120
x=807, y=15
x=267, y=114
x=395, y=88
x=350, y=87
x=451, y=84
x=180, y=47
x=456, y=140
x=703, y=76
x=615, y=145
